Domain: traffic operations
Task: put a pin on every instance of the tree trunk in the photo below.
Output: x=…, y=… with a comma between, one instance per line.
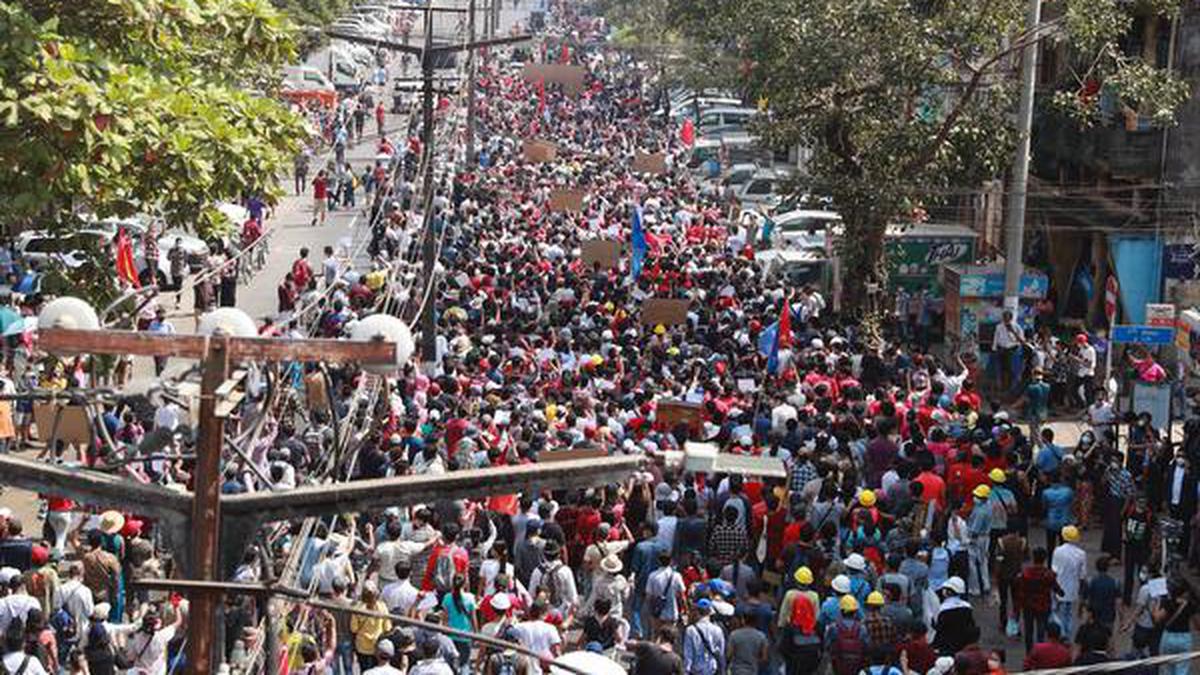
x=864, y=275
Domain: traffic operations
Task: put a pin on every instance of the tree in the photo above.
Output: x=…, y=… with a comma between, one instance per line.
x=902, y=101
x=123, y=106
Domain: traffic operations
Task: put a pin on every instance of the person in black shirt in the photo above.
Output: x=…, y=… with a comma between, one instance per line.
x=1092, y=637
x=658, y=657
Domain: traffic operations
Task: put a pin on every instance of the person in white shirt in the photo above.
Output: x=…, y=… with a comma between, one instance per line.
x=538, y=636
x=76, y=598
x=1083, y=381
x=17, y=604
x=557, y=579
x=1069, y=563
x=148, y=646
x=401, y=595
x=1006, y=340
x=16, y=660
x=1100, y=415
x=385, y=655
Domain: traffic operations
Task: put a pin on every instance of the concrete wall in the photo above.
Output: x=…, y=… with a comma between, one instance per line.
x=1183, y=140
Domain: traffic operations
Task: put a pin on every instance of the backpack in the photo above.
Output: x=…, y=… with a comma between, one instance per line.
x=506, y=664
x=659, y=603
x=550, y=582
x=849, y=650
x=804, y=615
x=63, y=624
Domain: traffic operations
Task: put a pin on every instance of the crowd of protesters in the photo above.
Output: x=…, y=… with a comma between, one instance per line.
x=912, y=504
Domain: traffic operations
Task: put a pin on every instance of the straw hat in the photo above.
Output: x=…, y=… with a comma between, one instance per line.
x=611, y=564
x=111, y=522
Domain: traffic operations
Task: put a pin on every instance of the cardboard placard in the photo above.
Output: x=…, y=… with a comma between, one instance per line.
x=570, y=77
x=67, y=423
x=565, y=455
x=567, y=199
x=603, y=252
x=672, y=413
x=7, y=429
x=665, y=311
x=539, y=151
x=316, y=393
x=655, y=163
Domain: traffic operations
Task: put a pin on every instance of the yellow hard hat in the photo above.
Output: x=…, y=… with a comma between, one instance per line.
x=1070, y=533
x=803, y=576
x=867, y=498
x=848, y=603
x=875, y=599
x=660, y=329
x=982, y=491
x=997, y=475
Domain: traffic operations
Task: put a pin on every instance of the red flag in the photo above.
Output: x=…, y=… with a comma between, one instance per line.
x=688, y=133
x=565, y=56
x=785, y=326
x=126, y=269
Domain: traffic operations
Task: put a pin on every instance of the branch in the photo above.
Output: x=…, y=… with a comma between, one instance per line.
x=1031, y=36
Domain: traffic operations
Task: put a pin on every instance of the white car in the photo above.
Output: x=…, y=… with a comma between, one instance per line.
x=44, y=247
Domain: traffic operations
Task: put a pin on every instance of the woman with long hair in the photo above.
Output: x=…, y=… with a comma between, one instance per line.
x=460, y=606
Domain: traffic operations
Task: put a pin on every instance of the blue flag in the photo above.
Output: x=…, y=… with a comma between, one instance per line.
x=638, y=244
x=766, y=339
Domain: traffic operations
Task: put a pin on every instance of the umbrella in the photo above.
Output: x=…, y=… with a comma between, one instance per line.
x=588, y=662
x=20, y=326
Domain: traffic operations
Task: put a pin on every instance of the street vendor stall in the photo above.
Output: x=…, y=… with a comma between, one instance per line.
x=975, y=301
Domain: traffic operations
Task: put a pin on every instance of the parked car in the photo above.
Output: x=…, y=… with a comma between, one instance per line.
x=761, y=191
x=726, y=118
x=43, y=247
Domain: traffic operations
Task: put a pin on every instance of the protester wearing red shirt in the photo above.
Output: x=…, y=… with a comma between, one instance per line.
x=302, y=274
x=320, y=198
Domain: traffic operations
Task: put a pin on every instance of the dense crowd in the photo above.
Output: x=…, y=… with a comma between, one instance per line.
x=912, y=504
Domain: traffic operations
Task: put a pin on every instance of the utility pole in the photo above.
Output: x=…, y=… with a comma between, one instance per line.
x=429, y=246
x=1015, y=230
x=471, y=87
x=217, y=400
x=428, y=297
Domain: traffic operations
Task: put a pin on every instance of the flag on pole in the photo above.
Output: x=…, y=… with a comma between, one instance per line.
x=688, y=133
x=126, y=269
x=778, y=334
x=638, y=243
x=768, y=229
x=1110, y=297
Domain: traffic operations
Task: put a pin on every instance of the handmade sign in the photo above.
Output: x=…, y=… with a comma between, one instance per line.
x=665, y=311
x=672, y=413
x=570, y=77
x=67, y=423
x=537, y=151
x=603, y=252
x=655, y=163
x=567, y=199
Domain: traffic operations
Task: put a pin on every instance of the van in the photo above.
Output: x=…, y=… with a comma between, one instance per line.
x=726, y=118
x=305, y=78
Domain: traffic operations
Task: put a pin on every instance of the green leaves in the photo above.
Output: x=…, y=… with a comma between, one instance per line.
x=139, y=105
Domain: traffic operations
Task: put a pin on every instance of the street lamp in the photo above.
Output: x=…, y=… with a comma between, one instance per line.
x=69, y=313
x=389, y=329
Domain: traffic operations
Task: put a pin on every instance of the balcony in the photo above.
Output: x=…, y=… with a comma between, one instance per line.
x=1117, y=149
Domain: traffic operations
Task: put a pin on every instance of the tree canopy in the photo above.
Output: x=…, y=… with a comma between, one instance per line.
x=905, y=101
x=121, y=106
